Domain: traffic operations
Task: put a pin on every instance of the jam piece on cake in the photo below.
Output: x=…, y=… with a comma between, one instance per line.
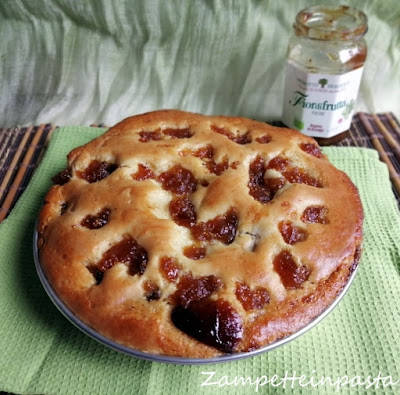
x=194, y=252
x=62, y=177
x=264, y=139
x=170, y=269
x=96, y=171
x=158, y=134
x=178, y=180
x=291, y=234
x=153, y=135
x=143, y=173
x=213, y=322
x=315, y=214
x=96, y=221
x=251, y=299
x=182, y=212
x=190, y=288
x=127, y=251
x=184, y=133
x=261, y=189
x=241, y=139
x=311, y=149
x=222, y=228
x=292, y=276
x=295, y=175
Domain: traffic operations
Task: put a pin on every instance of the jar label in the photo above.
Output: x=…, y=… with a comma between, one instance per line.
x=319, y=105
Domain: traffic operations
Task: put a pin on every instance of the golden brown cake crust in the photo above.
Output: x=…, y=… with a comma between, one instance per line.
x=188, y=235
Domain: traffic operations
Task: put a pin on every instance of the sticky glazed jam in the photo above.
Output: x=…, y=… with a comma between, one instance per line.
x=222, y=228
x=295, y=175
x=292, y=276
x=264, y=139
x=62, y=177
x=205, y=152
x=213, y=322
x=238, y=138
x=190, y=289
x=261, y=189
x=315, y=214
x=143, y=173
x=292, y=234
x=182, y=212
x=251, y=299
x=127, y=251
x=311, y=149
x=96, y=171
x=158, y=134
x=170, y=268
x=194, y=252
x=98, y=220
x=178, y=180
x=183, y=133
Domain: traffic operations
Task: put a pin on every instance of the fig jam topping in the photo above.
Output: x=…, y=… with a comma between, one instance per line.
x=295, y=175
x=222, y=228
x=127, y=251
x=311, y=149
x=274, y=184
x=239, y=139
x=213, y=322
x=178, y=180
x=264, y=139
x=182, y=212
x=194, y=252
x=158, y=134
x=291, y=234
x=96, y=221
x=315, y=214
x=292, y=276
x=206, y=152
x=217, y=168
x=190, y=289
x=178, y=133
x=249, y=299
x=143, y=173
x=146, y=136
x=152, y=291
x=263, y=190
x=62, y=177
x=170, y=269
x=96, y=171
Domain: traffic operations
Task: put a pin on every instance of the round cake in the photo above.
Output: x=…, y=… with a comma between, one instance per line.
x=195, y=236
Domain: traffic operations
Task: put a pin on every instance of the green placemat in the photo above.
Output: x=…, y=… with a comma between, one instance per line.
x=356, y=349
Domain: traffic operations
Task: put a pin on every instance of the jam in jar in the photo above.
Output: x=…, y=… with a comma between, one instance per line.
x=325, y=60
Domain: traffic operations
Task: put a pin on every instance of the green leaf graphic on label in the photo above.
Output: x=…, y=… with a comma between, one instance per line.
x=298, y=124
x=349, y=109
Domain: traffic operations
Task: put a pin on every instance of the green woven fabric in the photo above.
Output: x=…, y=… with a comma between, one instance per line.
x=41, y=352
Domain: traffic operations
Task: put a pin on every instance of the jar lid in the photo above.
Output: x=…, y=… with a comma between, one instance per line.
x=324, y=22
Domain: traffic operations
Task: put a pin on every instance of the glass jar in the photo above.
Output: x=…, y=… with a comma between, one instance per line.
x=325, y=60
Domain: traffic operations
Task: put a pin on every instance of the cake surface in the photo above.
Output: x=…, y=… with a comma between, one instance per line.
x=187, y=235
